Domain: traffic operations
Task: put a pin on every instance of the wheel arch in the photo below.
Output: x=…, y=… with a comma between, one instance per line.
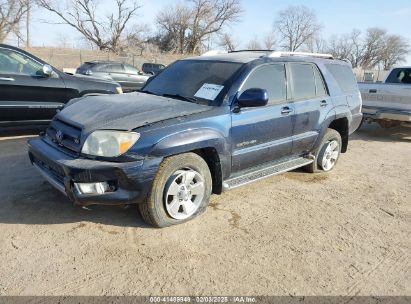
x=207, y=143
x=341, y=125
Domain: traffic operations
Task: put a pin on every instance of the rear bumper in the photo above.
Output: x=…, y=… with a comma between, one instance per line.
x=355, y=122
x=131, y=180
x=375, y=113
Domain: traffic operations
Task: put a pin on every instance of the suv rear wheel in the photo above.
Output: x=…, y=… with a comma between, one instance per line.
x=327, y=154
x=180, y=191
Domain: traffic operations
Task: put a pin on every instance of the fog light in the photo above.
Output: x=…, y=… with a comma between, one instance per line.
x=92, y=188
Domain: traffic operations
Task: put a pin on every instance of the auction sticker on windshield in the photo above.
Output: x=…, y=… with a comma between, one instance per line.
x=209, y=91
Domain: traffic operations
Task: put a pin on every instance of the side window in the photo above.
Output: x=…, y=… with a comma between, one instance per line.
x=115, y=68
x=303, y=81
x=15, y=63
x=130, y=69
x=319, y=83
x=271, y=78
x=344, y=76
x=400, y=76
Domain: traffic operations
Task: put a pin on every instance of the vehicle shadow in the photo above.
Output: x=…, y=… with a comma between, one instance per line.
x=25, y=198
x=373, y=132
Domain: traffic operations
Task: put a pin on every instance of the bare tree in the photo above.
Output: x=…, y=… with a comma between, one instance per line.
x=296, y=26
x=375, y=48
x=11, y=16
x=374, y=44
x=137, y=39
x=210, y=16
x=269, y=41
x=395, y=50
x=254, y=44
x=227, y=41
x=105, y=32
x=188, y=26
x=174, y=24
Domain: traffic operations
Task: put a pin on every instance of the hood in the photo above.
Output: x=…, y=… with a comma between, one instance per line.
x=125, y=111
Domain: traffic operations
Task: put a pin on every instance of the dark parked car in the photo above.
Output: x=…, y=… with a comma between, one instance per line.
x=225, y=121
x=31, y=91
x=152, y=68
x=126, y=75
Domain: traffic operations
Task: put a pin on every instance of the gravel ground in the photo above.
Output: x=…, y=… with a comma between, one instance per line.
x=342, y=233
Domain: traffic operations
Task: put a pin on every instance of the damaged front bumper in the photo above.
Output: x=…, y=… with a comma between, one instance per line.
x=125, y=182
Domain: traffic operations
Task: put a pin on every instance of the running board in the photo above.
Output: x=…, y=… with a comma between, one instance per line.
x=263, y=172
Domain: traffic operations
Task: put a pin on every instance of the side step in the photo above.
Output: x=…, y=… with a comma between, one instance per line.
x=266, y=171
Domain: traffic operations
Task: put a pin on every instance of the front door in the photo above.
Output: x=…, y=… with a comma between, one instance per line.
x=263, y=134
x=26, y=94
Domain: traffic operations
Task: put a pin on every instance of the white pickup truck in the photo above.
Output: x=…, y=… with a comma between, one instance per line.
x=388, y=103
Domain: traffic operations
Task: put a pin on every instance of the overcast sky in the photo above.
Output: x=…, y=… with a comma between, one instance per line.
x=336, y=17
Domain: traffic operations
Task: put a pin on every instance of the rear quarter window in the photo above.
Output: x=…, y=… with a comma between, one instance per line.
x=344, y=76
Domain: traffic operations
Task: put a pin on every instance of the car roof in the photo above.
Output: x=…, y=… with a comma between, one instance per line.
x=267, y=55
x=102, y=62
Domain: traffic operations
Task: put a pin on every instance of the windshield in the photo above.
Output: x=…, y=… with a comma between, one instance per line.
x=200, y=81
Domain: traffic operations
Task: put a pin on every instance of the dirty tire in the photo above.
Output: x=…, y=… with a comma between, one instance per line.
x=329, y=136
x=154, y=211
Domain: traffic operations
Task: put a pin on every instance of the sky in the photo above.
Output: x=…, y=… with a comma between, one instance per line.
x=336, y=17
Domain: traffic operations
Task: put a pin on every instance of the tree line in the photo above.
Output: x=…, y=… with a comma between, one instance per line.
x=193, y=26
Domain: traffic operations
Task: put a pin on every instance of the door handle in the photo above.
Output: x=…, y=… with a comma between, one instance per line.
x=6, y=79
x=323, y=103
x=286, y=110
x=372, y=91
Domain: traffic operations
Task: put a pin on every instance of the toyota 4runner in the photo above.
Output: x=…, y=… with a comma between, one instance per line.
x=204, y=125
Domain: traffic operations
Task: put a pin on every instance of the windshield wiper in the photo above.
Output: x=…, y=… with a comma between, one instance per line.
x=186, y=98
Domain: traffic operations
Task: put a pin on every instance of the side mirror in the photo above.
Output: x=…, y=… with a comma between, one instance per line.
x=47, y=70
x=253, y=98
x=89, y=72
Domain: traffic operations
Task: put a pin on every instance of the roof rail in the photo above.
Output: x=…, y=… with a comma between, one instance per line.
x=256, y=51
x=214, y=52
x=282, y=54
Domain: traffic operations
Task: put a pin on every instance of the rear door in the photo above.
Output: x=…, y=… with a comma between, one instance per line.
x=311, y=102
x=135, y=81
x=25, y=93
x=118, y=74
x=263, y=134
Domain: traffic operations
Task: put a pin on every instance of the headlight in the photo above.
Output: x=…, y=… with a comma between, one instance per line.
x=109, y=143
x=119, y=90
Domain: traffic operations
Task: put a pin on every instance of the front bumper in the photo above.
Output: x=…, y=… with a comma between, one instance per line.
x=131, y=180
x=374, y=113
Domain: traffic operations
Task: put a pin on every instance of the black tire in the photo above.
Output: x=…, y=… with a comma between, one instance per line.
x=329, y=136
x=154, y=211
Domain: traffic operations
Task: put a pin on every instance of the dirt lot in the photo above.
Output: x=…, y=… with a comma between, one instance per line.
x=344, y=233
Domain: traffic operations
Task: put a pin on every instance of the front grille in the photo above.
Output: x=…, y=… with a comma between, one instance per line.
x=65, y=135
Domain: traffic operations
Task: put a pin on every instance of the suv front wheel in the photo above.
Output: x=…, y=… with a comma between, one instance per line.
x=327, y=154
x=180, y=191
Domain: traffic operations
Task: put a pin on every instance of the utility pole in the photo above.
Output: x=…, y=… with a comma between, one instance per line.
x=28, y=25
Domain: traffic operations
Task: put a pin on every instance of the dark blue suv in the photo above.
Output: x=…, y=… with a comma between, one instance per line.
x=204, y=125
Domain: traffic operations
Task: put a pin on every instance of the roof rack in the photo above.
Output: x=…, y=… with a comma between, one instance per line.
x=303, y=54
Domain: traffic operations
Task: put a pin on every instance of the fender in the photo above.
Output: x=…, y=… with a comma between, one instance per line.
x=331, y=115
x=195, y=139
